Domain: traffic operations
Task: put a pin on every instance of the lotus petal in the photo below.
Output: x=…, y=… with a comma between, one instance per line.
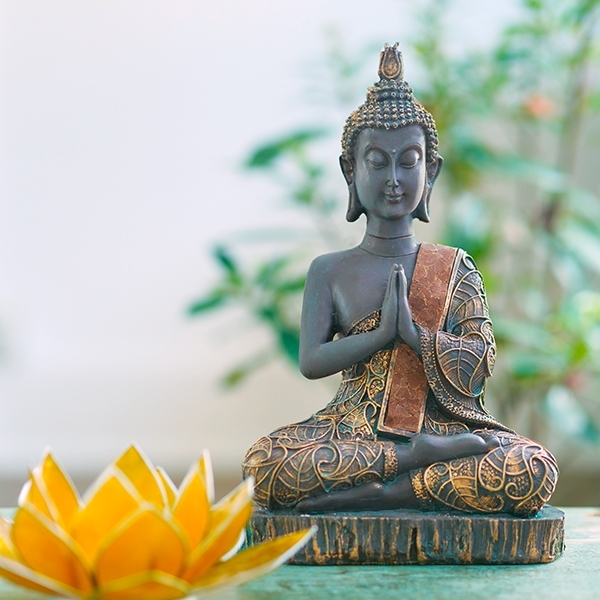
x=254, y=562
x=192, y=504
x=221, y=509
x=21, y=575
x=139, y=470
x=61, y=495
x=15, y=571
x=144, y=542
x=228, y=518
x=236, y=547
x=168, y=486
x=47, y=549
x=152, y=585
x=7, y=548
x=35, y=494
x=111, y=500
x=206, y=472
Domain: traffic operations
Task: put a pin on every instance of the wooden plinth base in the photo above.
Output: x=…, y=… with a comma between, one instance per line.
x=411, y=537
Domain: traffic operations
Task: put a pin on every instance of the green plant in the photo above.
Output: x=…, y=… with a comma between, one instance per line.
x=513, y=120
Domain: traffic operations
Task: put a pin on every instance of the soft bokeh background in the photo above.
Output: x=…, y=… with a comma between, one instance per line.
x=123, y=127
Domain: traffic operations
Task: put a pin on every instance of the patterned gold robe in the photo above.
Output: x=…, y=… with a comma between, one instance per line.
x=339, y=447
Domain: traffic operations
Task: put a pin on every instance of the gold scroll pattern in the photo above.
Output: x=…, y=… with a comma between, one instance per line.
x=338, y=448
x=333, y=450
x=518, y=477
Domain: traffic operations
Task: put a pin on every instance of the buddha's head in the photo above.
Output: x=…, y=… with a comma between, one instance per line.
x=402, y=133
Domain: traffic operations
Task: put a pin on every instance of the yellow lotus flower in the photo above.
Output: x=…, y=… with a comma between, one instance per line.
x=135, y=535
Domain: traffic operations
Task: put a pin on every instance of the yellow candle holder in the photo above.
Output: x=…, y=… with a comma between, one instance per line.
x=134, y=534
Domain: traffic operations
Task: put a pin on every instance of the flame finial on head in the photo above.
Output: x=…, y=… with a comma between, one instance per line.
x=390, y=63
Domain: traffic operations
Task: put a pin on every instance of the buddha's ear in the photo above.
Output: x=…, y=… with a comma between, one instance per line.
x=433, y=170
x=347, y=169
x=355, y=208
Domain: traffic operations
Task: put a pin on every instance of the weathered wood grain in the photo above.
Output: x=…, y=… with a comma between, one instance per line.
x=411, y=537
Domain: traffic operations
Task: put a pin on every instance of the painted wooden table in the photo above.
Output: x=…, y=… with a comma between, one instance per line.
x=574, y=576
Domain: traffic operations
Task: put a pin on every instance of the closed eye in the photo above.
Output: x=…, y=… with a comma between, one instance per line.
x=376, y=164
x=376, y=159
x=409, y=159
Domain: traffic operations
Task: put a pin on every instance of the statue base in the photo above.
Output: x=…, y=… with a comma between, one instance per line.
x=410, y=537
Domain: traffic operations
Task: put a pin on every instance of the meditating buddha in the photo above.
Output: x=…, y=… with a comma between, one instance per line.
x=407, y=324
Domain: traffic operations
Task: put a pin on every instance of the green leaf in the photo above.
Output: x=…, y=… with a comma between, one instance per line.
x=270, y=269
x=269, y=314
x=581, y=12
x=291, y=286
x=240, y=373
x=265, y=156
x=579, y=351
x=534, y=5
x=209, y=303
x=226, y=260
x=235, y=377
x=532, y=366
x=289, y=342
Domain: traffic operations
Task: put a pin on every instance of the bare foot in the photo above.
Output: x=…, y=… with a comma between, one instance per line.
x=369, y=496
x=425, y=449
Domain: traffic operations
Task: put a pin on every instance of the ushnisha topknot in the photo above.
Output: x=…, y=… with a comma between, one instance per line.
x=390, y=104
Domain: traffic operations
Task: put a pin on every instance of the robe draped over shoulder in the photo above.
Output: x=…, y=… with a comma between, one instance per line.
x=458, y=359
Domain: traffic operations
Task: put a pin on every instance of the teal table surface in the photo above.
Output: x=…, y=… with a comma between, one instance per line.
x=573, y=576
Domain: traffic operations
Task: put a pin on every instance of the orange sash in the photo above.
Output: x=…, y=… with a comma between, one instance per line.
x=403, y=406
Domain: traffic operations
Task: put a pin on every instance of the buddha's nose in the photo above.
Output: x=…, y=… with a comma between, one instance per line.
x=393, y=181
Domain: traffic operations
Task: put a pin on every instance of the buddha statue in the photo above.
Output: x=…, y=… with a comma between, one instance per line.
x=408, y=326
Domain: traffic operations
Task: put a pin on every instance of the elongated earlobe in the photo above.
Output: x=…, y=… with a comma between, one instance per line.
x=422, y=210
x=355, y=208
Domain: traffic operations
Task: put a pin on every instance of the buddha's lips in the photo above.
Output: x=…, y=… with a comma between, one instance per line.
x=395, y=198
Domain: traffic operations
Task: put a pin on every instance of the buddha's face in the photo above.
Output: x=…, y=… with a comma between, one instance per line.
x=390, y=171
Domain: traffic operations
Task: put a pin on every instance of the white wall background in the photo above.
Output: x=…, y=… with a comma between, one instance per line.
x=122, y=125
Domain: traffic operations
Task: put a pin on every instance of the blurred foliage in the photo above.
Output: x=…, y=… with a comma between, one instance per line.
x=514, y=122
